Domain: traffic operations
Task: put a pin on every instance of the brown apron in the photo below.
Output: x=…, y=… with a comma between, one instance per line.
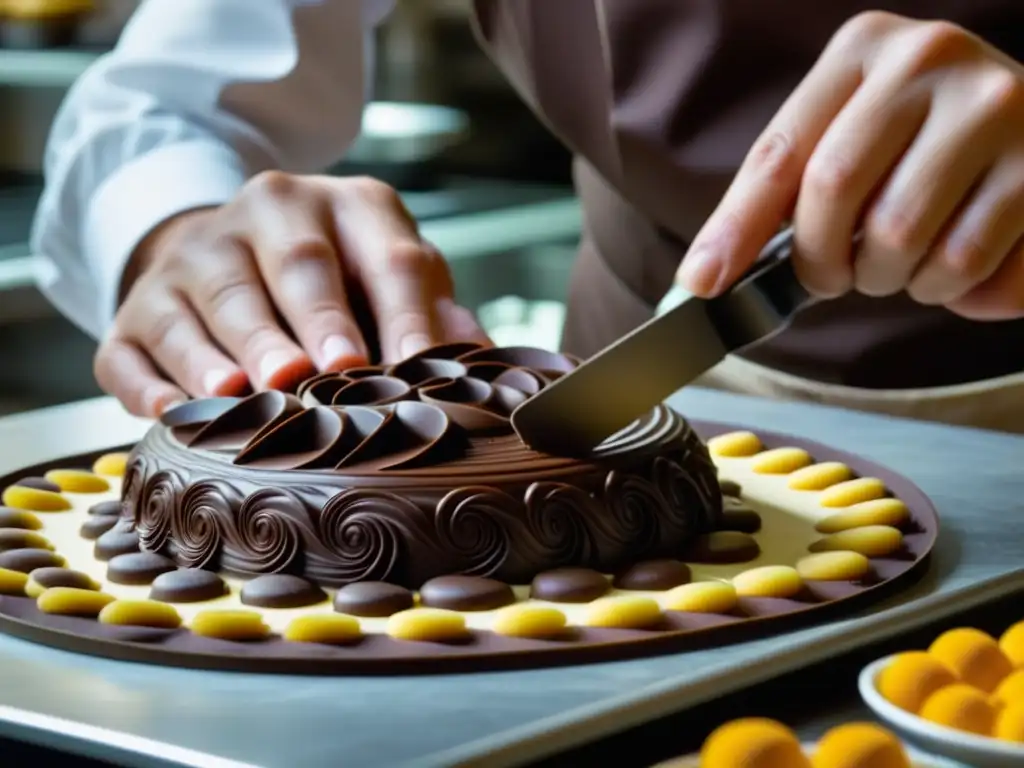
x=659, y=101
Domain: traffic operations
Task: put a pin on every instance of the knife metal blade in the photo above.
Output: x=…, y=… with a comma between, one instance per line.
x=687, y=337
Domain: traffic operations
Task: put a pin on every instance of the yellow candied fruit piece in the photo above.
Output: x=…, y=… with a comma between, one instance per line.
x=12, y=582
x=768, y=581
x=1011, y=689
x=973, y=656
x=735, y=445
x=753, y=743
x=884, y=511
x=140, y=613
x=71, y=601
x=962, y=707
x=851, y=492
x=1009, y=724
x=324, y=628
x=111, y=464
x=428, y=625
x=860, y=745
x=818, y=477
x=911, y=677
x=526, y=620
x=238, y=625
x=702, y=597
x=77, y=481
x=833, y=566
x=34, y=500
x=1012, y=644
x=870, y=541
x=24, y=539
x=780, y=461
x=623, y=612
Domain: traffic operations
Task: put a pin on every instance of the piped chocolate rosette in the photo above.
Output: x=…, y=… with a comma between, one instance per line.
x=411, y=471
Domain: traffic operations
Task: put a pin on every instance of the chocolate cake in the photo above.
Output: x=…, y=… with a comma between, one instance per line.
x=407, y=472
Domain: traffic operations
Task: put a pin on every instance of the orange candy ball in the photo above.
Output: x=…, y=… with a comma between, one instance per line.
x=911, y=677
x=973, y=656
x=860, y=745
x=962, y=707
x=1010, y=723
x=1012, y=644
x=1011, y=690
x=753, y=743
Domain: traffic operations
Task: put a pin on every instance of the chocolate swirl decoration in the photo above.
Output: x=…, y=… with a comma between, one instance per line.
x=266, y=535
x=697, y=458
x=559, y=515
x=132, y=486
x=367, y=535
x=475, y=524
x=428, y=405
x=187, y=419
x=634, y=507
x=245, y=421
x=198, y=524
x=156, y=507
x=689, y=503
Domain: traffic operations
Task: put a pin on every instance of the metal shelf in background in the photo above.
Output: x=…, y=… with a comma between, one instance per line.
x=45, y=68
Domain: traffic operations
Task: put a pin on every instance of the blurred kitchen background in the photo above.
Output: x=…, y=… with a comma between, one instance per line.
x=489, y=185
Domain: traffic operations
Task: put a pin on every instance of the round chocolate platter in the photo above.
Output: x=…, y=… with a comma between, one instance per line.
x=809, y=533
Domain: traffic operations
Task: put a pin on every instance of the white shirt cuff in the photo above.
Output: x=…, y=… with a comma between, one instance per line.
x=145, y=192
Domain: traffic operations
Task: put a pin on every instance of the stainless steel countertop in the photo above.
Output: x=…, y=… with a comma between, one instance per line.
x=500, y=718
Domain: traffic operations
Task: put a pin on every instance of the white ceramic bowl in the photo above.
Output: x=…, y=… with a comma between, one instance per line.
x=917, y=760
x=972, y=750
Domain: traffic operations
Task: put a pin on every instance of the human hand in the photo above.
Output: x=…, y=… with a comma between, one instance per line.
x=218, y=290
x=911, y=131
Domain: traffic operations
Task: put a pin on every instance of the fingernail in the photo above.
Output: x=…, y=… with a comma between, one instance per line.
x=413, y=343
x=700, y=272
x=676, y=295
x=338, y=349
x=273, y=362
x=213, y=380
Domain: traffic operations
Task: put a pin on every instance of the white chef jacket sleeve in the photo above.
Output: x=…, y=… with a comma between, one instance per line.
x=198, y=96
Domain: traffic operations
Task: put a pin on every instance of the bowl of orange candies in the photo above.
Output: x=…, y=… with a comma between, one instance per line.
x=962, y=697
x=763, y=743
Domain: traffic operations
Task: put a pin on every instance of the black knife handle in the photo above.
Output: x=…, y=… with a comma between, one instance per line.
x=765, y=301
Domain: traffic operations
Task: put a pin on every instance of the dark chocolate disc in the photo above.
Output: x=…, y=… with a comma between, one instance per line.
x=737, y=515
x=569, y=585
x=50, y=577
x=39, y=483
x=138, y=568
x=116, y=541
x=20, y=538
x=730, y=488
x=723, y=548
x=466, y=593
x=654, y=575
x=106, y=508
x=27, y=560
x=96, y=526
x=280, y=590
x=372, y=599
x=187, y=585
x=16, y=518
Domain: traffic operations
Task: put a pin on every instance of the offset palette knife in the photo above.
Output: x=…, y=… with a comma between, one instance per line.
x=687, y=337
